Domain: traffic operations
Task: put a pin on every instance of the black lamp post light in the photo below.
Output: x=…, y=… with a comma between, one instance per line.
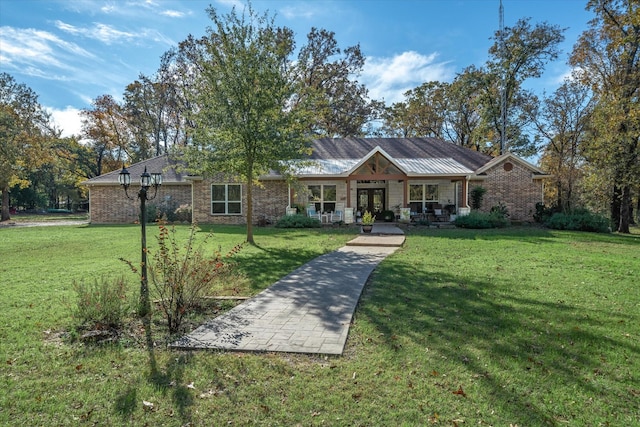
x=146, y=181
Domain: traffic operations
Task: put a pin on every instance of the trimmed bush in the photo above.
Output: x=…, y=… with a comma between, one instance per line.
x=579, y=220
x=297, y=221
x=481, y=220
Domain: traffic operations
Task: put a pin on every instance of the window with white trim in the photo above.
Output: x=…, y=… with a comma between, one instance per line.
x=420, y=194
x=323, y=197
x=226, y=199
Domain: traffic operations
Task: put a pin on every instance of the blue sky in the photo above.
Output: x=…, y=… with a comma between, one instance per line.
x=72, y=51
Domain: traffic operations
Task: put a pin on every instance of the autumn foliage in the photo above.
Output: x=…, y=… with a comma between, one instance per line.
x=183, y=274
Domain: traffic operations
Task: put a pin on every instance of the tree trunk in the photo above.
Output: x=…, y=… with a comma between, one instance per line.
x=638, y=205
x=250, y=211
x=5, y=215
x=625, y=204
x=615, y=205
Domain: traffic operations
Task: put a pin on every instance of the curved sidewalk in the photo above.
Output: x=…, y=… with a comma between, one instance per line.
x=307, y=311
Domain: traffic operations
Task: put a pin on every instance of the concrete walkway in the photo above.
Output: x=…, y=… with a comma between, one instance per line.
x=308, y=311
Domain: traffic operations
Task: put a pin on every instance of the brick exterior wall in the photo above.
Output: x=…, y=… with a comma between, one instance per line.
x=108, y=204
x=516, y=188
x=270, y=200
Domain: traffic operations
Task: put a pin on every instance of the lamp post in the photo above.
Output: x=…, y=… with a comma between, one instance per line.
x=146, y=181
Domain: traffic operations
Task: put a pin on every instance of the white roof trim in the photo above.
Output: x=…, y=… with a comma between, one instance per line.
x=371, y=154
x=510, y=156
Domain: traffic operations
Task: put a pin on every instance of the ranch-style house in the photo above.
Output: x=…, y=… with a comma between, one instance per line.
x=415, y=178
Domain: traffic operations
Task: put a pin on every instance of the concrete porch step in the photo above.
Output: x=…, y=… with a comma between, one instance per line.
x=382, y=235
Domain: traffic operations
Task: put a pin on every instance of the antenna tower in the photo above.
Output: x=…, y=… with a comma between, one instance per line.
x=503, y=89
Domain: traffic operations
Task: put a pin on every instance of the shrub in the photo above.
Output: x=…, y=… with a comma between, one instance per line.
x=183, y=213
x=543, y=213
x=481, y=220
x=579, y=220
x=101, y=304
x=151, y=212
x=500, y=210
x=477, y=193
x=183, y=276
x=297, y=221
x=388, y=216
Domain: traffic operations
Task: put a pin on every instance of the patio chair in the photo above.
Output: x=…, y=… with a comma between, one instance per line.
x=311, y=213
x=440, y=214
x=338, y=214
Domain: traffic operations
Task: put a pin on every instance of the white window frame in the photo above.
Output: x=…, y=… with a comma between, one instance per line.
x=226, y=200
x=321, y=200
x=423, y=198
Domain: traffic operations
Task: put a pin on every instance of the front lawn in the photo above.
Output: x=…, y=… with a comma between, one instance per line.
x=518, y=326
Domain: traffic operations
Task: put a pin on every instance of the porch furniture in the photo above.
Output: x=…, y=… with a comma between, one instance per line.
x=348, y=216
x=338, y=214
x=440, y=214
x=311, y=213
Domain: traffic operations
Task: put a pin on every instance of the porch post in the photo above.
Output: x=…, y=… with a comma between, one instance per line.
x=405, y=193
x=465, y=192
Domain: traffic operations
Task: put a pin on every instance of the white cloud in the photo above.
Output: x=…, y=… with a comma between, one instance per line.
x=67, y=120
x=172, y=13
x=33, y=50
x=305, y=11
x=389, y=78
x=102, y=32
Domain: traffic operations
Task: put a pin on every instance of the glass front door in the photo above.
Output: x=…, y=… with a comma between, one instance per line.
x=372, y=200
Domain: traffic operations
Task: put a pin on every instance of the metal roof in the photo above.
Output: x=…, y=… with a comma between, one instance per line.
x=433, y=167
x=344, y=167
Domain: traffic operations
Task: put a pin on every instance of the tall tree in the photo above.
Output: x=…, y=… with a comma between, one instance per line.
x=326, y=75
x=153, y=113
x=608, y=57
x=518, y=53
x=562, y=122
x=105, y=128
x=25, y=132
x=245, y=125
x=422, y=114
x=463, y=113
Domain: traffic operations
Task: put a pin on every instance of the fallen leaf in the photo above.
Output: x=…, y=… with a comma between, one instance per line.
x=78, y=367
x=434, y=373
x=460, y=392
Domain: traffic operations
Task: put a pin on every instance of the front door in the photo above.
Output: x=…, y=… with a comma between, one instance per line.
x=372, y=200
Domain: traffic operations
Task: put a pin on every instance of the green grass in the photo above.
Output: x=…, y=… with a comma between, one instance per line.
x=460, y=327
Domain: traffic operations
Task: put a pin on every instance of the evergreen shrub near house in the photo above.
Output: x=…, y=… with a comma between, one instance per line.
x=476, y=194
x=500, y=209
x=388, y=215
x=151, y=212
x=579, y=220
x=544, y=213
x=480, y=220
x=297, y=221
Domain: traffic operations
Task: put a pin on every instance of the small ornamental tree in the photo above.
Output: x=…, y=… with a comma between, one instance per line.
x=477, y=193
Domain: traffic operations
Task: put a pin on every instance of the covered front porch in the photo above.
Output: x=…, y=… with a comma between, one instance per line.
x=432, y=190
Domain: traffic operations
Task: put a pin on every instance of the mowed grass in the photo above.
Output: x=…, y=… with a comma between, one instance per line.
x=518, y=326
